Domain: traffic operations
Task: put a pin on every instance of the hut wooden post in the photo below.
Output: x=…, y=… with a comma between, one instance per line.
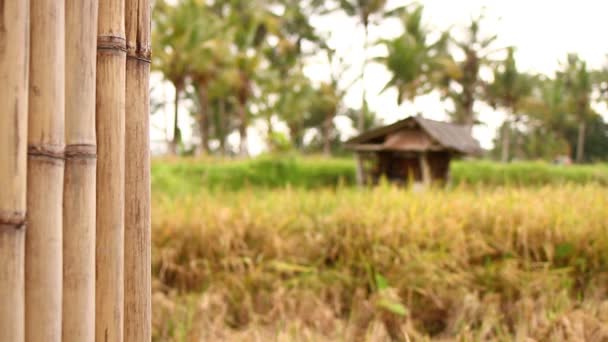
x=110, y=130
x=137, y=174
x=79, y=182
x=14, y=47
x=425, y=169
x=360, y=172
x=43, y=243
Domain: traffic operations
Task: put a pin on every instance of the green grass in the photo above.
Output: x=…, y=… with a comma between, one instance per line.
x=183, y=176
x=189, y=176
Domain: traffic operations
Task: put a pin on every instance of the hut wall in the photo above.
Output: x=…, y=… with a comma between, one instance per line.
x=398, y=167
x=440, y=165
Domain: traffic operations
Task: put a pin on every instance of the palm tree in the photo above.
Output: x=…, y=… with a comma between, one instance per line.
x=578, y=86
x=206, y=60
x=285, y=81
x=461, y=82
x=413, y=60
x=324, y=106
x=171, y=40
x=509, y=89
x=367, y=12
x=253, y=21
x=548, y=106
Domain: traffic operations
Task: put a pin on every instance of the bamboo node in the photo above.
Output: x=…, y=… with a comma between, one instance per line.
x=141, y=53
x=14, y=219
x=111, y=43
x=53, y=152
x=81, y=151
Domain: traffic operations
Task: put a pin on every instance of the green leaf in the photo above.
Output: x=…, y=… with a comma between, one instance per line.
x=381, y=282
x=564, y=250
x=392, y=306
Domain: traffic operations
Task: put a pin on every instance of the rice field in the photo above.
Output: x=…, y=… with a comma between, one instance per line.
x=345, y=264
x=187, y=176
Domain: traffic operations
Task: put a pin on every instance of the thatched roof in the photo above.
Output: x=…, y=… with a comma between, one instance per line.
x=405, y=135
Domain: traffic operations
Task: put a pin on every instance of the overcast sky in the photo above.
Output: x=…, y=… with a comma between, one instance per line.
x=543, y=32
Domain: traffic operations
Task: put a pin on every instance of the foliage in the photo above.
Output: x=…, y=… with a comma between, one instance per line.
x=293, y=264
x=188, y=176
x=191, y=176
x=240, y=63
x=461, y=81
x=413, y=59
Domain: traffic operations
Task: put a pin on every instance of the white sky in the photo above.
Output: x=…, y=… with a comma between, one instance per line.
x=543, y=31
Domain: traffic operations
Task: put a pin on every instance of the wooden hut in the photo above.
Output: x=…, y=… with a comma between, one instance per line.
x=415, y=150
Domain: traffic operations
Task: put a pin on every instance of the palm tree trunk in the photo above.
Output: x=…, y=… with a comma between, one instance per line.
x=327, y=136
x=45, y=171
x=580, y=145
x=137, y=279
x=270, y=133
x=506, y=141
x=243, y=151
x=13, y=170
x=79, y=179
x=362, y=114
x=203, y=117
x=222, y=124
x=469, y=120
x=110, y=125
x=175, y=141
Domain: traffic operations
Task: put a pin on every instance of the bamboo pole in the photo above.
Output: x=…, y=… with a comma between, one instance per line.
x=79, y=182
x=43, y=242
x=110, y=124
x=138, y=306
x=14, y=47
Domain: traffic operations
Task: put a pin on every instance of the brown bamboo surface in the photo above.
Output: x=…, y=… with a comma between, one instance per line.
x=43, y=243
x=137, y=323
x=14, y=47
x=110, y=125
x=80, y=168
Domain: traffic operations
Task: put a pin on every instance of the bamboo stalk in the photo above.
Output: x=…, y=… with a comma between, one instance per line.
x=43, y=243
x=79, y=182
x=110, y=124
x=138, y=306
x=14, y=47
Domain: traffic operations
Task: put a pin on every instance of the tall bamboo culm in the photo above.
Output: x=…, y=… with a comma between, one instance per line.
x=43, y=241
x=137, y=174
x=79, y=181
x=14, y=65
x=110, y=124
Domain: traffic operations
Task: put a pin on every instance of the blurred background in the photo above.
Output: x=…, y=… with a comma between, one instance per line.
x=252, y=77
x=259, y=232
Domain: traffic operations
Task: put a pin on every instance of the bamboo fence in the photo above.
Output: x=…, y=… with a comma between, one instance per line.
x=137, y=174
x=66, y=236
x=45, y=163
x=14, y=53
x=80, y=167
x=110, y=123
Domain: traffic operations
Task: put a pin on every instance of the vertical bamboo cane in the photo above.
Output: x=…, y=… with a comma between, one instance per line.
x=43, y=242
x=110, y=124
x=79, y=181
x=137, y=174
x=14, y=47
